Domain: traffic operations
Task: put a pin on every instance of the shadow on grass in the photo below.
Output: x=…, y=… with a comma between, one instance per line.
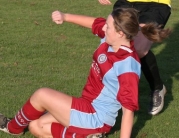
x=168, y=62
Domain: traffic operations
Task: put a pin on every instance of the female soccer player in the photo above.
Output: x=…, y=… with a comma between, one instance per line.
x=112, y=84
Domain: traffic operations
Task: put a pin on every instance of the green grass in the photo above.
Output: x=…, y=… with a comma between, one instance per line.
x=35, y=52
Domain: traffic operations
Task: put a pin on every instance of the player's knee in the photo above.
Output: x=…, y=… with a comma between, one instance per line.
x=39, y=129
x=42, y=92
x=34, y=128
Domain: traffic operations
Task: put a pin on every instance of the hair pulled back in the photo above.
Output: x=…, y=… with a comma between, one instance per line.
x=154, y=32
x=126, y=20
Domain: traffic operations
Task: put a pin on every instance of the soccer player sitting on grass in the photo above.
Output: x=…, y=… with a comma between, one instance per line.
x=112, y=84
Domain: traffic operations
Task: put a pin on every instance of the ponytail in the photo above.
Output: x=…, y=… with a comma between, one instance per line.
x=154, y=32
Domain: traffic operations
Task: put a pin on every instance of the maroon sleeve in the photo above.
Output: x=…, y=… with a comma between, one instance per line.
x=97, y=27
x=128, y=91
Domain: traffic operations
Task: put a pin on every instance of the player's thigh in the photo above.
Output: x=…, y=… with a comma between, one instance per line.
x=56, y=103
x=142, y=44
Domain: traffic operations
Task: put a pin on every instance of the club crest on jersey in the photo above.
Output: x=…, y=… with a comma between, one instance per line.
x=102, y=58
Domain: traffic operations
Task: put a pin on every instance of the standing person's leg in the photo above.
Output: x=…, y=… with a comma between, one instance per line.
x=150, y=70
x=159, y=13
x=148, y=62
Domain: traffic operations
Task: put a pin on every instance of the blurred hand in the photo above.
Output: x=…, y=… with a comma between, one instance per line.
x=104, y=2
x=57, y=17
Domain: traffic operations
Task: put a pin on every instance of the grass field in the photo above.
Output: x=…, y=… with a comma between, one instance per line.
x=35, y=52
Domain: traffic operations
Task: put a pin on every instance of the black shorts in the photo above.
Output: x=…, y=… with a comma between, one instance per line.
x=148, y=11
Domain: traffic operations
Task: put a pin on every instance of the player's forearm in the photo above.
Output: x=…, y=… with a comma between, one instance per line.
x=127, y=123
x=85, y=21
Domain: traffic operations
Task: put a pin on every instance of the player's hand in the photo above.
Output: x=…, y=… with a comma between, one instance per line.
x=105, y=2
x=57, y=17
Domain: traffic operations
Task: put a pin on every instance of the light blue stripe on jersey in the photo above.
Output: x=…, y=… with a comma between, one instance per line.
x=106, y=104
x=127, y=65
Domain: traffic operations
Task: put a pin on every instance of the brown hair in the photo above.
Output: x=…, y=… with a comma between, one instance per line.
x=154, y=32
x=126, y=20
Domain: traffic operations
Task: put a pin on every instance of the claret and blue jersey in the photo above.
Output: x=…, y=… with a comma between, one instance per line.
x=113, y=79
x=112, y=82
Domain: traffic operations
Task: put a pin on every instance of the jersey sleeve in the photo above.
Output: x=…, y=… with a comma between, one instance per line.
x=97, y=27
x=128, y=92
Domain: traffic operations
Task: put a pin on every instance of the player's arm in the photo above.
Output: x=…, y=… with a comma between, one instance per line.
x=82, y=20
x=128, y=97
x=104, y=2
x=126, y=123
